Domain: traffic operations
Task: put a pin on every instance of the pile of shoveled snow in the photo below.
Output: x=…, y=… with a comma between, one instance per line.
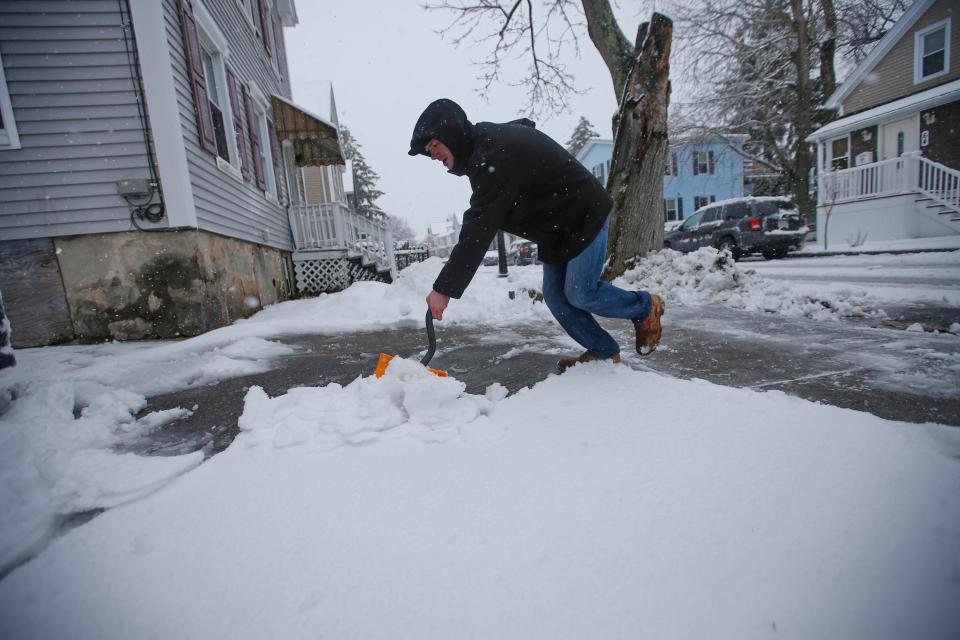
x=406, y=401
x=708, y=276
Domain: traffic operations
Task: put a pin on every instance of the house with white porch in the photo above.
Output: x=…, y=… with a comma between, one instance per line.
x=889, y=166
x=334, y=246
x=148, y=150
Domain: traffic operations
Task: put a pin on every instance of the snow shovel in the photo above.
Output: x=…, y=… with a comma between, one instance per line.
x=384, y=360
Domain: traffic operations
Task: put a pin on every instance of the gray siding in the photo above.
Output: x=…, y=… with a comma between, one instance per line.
x=76, y=112
x=225, y=205
x=892, y=77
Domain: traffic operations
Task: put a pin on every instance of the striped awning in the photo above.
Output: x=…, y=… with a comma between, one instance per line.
x=316, y=142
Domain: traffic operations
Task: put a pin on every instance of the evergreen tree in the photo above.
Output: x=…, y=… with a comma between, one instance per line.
x=365, y=192
x=581, y=135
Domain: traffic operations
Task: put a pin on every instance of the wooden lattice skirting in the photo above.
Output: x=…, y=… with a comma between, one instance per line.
x=336, y=273
x=322, y=275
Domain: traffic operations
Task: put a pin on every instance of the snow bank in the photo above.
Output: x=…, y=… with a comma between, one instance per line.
x=53, y=463
x=706, y=277
x=601, y=503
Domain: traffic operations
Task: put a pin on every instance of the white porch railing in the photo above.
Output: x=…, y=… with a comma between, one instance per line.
x=910, y=173
x=319, y=227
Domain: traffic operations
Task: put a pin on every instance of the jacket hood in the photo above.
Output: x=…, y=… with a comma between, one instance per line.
x=444, y=120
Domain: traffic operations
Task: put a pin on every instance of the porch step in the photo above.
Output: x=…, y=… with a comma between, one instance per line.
x=939, y=211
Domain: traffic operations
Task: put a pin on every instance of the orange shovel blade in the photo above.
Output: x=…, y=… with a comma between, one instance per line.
x=384, y=361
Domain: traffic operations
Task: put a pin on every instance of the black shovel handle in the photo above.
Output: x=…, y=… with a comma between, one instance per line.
x=431, y=339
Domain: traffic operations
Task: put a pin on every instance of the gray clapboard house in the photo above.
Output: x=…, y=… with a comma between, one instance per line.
x=146, y=148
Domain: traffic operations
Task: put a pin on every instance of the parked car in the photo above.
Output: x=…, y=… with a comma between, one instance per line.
x=523, y=252
x=491, y=259
x=771, y=226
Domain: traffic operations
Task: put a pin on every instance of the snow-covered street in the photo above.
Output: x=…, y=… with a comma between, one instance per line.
x=677, y=496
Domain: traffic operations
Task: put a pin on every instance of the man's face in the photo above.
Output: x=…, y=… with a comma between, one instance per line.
x=439, y=151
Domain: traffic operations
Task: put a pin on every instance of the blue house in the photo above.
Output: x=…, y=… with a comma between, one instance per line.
x=699, y=171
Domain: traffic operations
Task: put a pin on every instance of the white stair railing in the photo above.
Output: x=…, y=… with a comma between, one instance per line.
x=938, y=182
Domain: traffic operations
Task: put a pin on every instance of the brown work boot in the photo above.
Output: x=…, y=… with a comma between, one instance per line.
x=649, y=330
x=566, y=363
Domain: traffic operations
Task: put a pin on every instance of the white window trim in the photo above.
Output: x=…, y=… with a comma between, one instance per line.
x=266, y=151
x=229, y=169
x=261, y=107
x=206, y=22
x=828, y=147
x=9, y=136
x=706, y=162
x=247, y=8
x=918, y=51
x=675, y=209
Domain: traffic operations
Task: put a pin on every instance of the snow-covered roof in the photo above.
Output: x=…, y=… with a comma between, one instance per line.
x=895, y=110
x=878, y=52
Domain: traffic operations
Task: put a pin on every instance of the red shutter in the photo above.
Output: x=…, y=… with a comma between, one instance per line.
x=201, y=102
x=264, y=25
x=254, y=140
x=275, y=152
x=238, y=117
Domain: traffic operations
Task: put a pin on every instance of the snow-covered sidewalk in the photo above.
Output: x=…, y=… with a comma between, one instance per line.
x=605, y=502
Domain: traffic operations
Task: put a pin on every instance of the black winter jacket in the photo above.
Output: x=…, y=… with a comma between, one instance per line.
x=523, y=183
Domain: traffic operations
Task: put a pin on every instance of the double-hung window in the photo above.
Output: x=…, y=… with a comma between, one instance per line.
x=671, y=169
x=9, y=139
x=839, y=154
x=673, y=208
x=931, y=48
x=702, y=201
x=213, y=70
x=266, y=152
x=703, y=163
x=218, y=133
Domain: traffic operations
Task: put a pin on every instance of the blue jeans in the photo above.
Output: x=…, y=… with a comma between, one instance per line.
x=574, y=292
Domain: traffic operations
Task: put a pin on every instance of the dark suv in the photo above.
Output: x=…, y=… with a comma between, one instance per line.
x=769, y=226
x=523, y=252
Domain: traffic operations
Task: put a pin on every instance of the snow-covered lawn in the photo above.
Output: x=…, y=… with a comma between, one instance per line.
x=606, y=502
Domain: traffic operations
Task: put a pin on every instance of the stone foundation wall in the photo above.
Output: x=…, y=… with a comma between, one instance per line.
x=135, y=285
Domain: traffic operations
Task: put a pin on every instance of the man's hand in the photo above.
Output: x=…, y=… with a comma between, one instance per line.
x=437, y=302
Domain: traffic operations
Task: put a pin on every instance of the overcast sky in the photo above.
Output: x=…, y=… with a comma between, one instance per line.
x=387, y=62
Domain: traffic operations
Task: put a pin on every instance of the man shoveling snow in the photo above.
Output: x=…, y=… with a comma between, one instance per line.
x=526, y=184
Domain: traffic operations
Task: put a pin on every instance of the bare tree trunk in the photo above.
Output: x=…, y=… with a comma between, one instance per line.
x=828, y=50
x=609, y=40
x=800, y=180
x=639, y=152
